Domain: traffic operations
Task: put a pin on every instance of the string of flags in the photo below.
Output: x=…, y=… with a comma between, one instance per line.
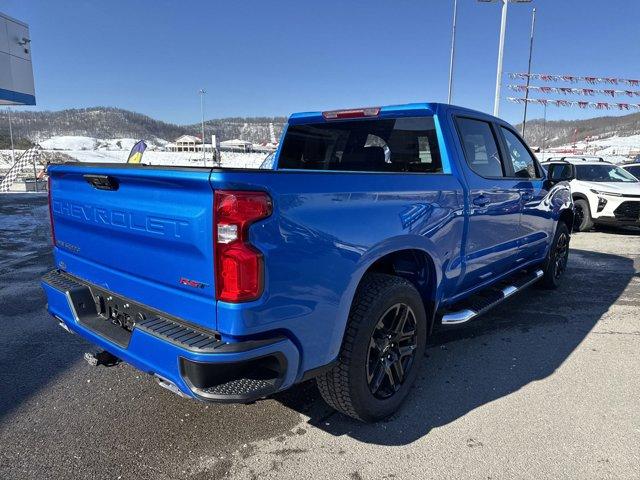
x=577, y=103
x=575, y=79
x=575, y=91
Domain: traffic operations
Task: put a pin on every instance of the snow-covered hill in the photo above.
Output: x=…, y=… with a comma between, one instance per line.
x=615, y=149
x=102, y=122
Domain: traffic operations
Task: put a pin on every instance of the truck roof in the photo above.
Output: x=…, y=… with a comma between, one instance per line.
x=406, y=109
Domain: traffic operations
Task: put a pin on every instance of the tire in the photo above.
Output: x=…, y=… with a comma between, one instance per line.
x=556, y=263
x=582, y=219
x=360, y=384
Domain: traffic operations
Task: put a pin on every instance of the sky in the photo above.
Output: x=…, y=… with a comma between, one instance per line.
x=257, y=58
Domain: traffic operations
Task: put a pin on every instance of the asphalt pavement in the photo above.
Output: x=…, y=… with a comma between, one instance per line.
x=544, y=386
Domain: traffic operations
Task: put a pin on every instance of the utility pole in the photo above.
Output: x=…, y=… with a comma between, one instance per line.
x=202, y=93
x=453, y=50
x=13, y=159
x=526, y=92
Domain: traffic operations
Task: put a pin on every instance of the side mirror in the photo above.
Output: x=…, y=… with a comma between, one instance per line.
x=560, y=172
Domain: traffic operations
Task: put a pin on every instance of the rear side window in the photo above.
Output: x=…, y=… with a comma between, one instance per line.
x=480, y=147
x=523, y=164
x=381, y=145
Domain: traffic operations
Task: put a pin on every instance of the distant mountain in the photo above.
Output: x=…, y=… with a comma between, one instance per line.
x=254, y=129
x=104, y=122
x=564, y=132
x=109, y=123
x=100, y=122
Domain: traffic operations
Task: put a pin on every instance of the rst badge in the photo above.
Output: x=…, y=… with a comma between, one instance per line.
x=191, y=283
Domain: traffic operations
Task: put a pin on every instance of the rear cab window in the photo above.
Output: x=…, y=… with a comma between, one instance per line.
x=407, y=144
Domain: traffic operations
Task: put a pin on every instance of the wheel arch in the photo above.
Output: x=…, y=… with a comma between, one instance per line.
x=414, y=265
x=579, y=196
x=410, y=259
x=567, y=215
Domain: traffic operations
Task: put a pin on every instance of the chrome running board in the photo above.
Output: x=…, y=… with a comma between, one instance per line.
x=495, y=297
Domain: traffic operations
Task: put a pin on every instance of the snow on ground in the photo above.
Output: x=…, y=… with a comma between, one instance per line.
x=150, y=157
x=96, y=150
x=88, y=149
x=79, y=142
x=613, y=149
x=69, y=142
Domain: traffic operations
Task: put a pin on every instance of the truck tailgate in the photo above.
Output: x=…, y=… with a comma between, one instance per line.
x=143, y=233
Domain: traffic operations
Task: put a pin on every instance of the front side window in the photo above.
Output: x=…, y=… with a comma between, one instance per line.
x=603, y=173
x=522, y=162
x=480, y=147
x=376, y=145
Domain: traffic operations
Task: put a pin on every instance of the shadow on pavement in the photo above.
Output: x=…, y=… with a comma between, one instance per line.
x=523, y=340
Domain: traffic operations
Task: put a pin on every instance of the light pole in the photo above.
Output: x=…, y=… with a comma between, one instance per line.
x=453, y=50
x=526, y=92
x=202, y=93
x=503, y=30
x=544, y=128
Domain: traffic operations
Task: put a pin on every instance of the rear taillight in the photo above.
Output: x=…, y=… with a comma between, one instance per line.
x=239, y=265
x=53, y=230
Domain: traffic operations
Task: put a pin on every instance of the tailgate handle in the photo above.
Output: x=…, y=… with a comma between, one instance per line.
x=102, y=182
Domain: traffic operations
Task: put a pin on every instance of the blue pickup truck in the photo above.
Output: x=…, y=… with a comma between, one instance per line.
x=374, y=227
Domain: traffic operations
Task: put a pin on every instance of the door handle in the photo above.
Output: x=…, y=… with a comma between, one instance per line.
x=102, y=182
x=526, y=196
x=481, y=200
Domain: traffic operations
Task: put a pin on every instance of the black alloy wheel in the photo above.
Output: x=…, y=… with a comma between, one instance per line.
x=561, y=255
x=391, y=350
x=555, y=265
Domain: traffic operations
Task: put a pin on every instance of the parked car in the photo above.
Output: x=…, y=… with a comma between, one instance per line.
x=633, y=169
x=602, y=193
x=376, y=227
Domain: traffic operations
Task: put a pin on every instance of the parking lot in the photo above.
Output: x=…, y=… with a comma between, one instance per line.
x=544, y=386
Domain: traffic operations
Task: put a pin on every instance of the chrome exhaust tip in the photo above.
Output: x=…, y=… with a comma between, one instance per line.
x=169, y=385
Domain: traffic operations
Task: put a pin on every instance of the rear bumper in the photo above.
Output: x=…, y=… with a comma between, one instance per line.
x=204, y=366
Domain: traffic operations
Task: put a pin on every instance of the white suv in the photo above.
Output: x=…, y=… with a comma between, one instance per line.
x=602, y=192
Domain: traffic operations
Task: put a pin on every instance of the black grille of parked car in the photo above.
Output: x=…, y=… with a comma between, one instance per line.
x=628, y=211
